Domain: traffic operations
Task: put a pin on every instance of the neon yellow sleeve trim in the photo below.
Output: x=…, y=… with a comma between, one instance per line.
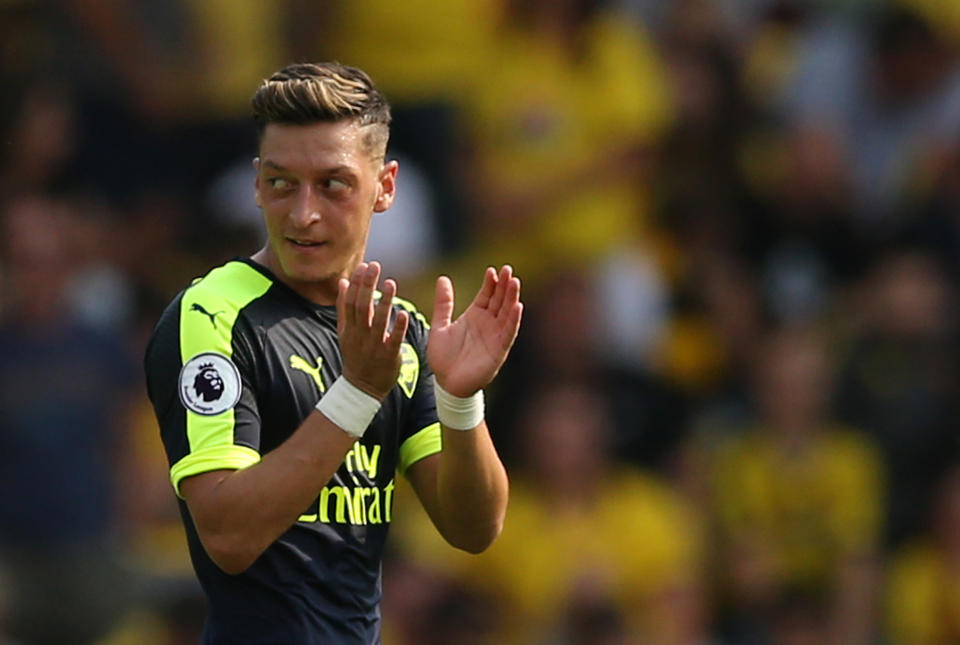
x=424, y=443
x=230, y=457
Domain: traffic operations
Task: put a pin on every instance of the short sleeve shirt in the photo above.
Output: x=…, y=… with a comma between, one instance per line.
x=235, y=364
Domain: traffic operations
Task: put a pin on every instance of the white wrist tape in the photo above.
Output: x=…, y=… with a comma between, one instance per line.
x=348, y=407
x=456, y=412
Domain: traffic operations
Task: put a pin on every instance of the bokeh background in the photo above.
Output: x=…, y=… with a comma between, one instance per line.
x=731, y=416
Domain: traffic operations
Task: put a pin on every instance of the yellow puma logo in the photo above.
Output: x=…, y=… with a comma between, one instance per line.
x=409, y=369
x=298, y=363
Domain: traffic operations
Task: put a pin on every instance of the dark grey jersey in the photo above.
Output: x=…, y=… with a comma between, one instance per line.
x=235, y=364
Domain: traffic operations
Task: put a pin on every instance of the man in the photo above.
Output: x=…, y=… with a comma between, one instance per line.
x=287, y=501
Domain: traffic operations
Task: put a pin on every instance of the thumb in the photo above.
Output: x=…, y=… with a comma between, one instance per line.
x=443, y=303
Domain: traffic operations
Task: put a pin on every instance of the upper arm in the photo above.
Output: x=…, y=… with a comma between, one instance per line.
x=200, y=379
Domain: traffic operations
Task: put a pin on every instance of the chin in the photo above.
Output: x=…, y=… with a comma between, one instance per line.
x=300, y=271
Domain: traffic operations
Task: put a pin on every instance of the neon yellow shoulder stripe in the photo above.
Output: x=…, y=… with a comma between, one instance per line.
x=424, y=443
x=208, y=312
x=412, y=309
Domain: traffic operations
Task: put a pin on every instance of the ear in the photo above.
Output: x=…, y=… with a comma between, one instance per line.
x=256, y=183
x=386, y=186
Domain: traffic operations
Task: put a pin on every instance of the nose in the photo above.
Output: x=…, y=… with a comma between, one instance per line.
x=306, y=209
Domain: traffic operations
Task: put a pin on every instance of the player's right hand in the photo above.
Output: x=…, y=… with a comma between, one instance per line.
x=370, y=350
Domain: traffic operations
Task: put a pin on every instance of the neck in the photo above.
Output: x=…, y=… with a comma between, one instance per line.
x=321, y=292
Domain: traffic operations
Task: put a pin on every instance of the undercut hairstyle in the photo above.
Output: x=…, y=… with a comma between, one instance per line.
x=305, y=93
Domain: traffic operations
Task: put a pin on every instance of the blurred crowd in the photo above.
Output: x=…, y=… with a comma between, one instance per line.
x=732, y=416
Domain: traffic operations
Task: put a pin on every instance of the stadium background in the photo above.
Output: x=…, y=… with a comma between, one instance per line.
x=731, y=416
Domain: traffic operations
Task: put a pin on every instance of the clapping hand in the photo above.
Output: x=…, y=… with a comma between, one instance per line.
x=465, y=354
x=371, y=351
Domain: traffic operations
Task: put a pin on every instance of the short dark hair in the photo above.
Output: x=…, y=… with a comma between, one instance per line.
x=305, y=93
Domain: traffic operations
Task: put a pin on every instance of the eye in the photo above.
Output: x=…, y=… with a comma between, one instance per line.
x=336, y=185
x=279, y=183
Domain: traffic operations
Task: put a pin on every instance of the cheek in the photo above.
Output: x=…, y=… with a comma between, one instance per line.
x=349, y=217
x=273, y=215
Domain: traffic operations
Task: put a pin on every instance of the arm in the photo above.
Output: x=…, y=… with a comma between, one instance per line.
x=238, y=514
x=464, y=488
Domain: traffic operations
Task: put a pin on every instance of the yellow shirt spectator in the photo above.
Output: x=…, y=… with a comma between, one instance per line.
x=923, y=599
x=806, y=508
x=416, y=50
x=553, y=132
x=634, y=539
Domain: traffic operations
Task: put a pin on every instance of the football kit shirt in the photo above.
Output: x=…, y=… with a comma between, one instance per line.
x=236, y=363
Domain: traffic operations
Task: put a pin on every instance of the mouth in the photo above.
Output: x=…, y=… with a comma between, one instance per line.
x=305, y=244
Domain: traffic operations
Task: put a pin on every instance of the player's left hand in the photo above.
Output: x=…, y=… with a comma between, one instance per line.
x=467, y=353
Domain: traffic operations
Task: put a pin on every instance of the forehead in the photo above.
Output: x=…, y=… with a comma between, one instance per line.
x=314, y=146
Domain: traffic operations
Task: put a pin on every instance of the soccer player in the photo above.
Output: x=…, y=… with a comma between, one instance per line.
x=290, y=391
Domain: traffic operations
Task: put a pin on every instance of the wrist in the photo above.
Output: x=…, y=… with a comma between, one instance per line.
x=458, y=412
x=348, y=407
x=367, y=388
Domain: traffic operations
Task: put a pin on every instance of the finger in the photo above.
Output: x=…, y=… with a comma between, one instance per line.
x=487, y=288
x=496, y=301
x=350, y=298
x=381, y=313
x=513, y=316
x=511, y=297
x=442, y=303
x=364, y=303
x=398, y=333
x=342, y=287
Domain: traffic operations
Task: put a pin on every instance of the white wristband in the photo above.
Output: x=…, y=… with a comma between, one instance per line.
x=456, y=412
x=348, y=407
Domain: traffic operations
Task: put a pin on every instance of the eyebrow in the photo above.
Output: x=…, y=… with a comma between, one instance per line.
x=267, y=163
x=270, y=164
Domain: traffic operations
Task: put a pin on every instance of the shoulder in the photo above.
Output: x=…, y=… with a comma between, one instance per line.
x=202, y=316
x=419, y=328
x=416, y=316
x=849, y=445
x=914, y=580
x=226, y=288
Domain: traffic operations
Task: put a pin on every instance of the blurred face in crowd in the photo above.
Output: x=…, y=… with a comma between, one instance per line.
x=35, y=232
x=793, y=384
x=911, y=296
x=566, y=438
x=318, y=185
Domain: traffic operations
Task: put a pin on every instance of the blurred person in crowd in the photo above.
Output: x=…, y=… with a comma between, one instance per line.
x=426, y=57
x=899, y=380
x=143, y=72
x=923, y=592
x=423, y=606
x=698, y=151
x=797, y=499
x=63, y=389
x=100, y=289
x=782, y=204
x=616, y=556
x=560, y=339
x=287, y=500
x=886, y=91
x=40, y=141
x=936, y=222
x=711, y=347
x=799, y=617
x=168, y=619
x=556, y=138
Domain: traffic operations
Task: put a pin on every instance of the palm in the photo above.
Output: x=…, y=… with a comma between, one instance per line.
x=467, y=353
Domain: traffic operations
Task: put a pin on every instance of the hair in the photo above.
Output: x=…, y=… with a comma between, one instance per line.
x=305, y=93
